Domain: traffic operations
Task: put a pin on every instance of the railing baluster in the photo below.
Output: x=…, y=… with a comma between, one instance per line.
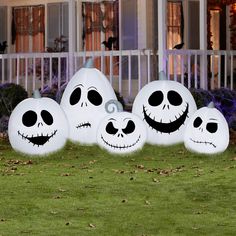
x=17, y=69
x=59, y=71
x=34, y=73
x=175, y=67
x=26, y=74
x=149, y=66
x=231, y=70
x=212, y=71
x=120, y=72
x=102, y=61
x=67, y=67
x=3, y=70
x=168, y=66
x=219, y=71
x=182, y=69
x=129, y=74
x=10, y=69
x=139, y=71
x=42, y=73
x=111, y=67
x=195, y=71
x=50, y=70
x=189, y=71
x=225, y=82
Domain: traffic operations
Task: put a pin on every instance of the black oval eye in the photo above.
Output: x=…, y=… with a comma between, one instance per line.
x=47, y=117
x=156, y=98
x=130, y=127
x=94, y=97
x=197, y=122
x=212, y=127
x=75, y=96
x=110, y=129
x=174, y=98
x=29, y=118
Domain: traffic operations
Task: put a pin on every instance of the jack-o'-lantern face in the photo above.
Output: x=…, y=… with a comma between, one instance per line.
x=84, y=103
x=207, y=132
x=37, y=126
x=165, y=106
x=121, y=132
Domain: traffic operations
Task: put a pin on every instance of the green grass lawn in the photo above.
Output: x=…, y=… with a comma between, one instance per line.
x=86, y=191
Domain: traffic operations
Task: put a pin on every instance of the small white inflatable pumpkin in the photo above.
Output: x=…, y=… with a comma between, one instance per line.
x=37, y=126
x=207, y=131
x=84, y=103
x=121, y=132
x=165, y=106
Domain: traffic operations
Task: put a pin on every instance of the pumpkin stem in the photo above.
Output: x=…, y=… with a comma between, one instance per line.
x=36, y=94
x=211, y=105
x=89, y=63
x=162, y=75
x=115, y=105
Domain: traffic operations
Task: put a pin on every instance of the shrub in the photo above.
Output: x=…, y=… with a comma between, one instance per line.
x=10, y=95
x=224, y=100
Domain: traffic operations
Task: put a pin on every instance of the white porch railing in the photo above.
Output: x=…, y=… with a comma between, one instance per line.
x=128, y=70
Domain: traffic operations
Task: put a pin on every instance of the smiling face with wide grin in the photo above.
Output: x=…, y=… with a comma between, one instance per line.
x=37, y=126
x=38, y=140
x=170, y=127
x=165, y=107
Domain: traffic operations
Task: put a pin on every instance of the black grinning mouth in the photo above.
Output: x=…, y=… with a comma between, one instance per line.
x=39, y=140
x=83, y=125
x=201, y=142
x=120, y=147
x=166, y=127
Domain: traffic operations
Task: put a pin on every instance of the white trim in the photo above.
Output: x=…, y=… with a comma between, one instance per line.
x=162, y=34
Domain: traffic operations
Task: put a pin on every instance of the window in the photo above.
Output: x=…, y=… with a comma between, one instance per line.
x=3, y=28
x=57, y=22
x=100, y=22
x=175, y=31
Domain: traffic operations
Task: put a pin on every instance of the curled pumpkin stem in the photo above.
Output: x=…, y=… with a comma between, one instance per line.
x=113, y=106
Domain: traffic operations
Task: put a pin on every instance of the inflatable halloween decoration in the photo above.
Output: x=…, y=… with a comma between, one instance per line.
x=84, y=103
x=207, y=131
x=121, y=132
x=165, y=107
x=37, y=126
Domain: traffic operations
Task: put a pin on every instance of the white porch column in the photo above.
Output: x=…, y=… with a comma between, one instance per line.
x=162, y=35
x=72, y=36
x=203, y=43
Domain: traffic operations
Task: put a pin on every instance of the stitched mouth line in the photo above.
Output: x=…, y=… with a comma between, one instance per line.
x=38, y=140
x=83, y=125
x=170, y=127
x=202, y=142
x=120, y=147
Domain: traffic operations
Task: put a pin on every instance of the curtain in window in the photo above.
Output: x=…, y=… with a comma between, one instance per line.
x=100, y=21
x=175, y=30
x=29, y=28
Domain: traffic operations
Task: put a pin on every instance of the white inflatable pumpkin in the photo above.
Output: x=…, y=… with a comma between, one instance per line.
x=207, y=131
x=37, y=126
x=165, y=106
x=121, y=132
x=84, y=103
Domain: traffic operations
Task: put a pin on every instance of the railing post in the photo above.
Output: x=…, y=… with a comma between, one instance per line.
x=162, y=35
x=72, y=36
x=203, y=43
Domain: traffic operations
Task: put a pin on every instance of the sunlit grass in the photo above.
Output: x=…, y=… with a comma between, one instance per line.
x=86, y=191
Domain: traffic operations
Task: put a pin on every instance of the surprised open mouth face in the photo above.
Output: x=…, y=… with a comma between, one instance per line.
x=165, y=107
